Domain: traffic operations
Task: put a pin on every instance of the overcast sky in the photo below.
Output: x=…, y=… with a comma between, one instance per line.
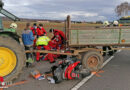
x=84, y=10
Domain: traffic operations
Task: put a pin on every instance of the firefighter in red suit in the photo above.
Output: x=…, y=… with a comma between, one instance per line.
x=41, y=31
x=42, y=44
x=58, y=39
x=34, y=30
x=51, y=57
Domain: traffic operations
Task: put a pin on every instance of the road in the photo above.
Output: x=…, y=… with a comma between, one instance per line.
x=116, y=76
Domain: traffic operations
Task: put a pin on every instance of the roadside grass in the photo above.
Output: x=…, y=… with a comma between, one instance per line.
x=47, y=26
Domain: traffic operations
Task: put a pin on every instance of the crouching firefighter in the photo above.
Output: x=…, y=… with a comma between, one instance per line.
x=58, y=39
x=42, y=44
x=66, y=70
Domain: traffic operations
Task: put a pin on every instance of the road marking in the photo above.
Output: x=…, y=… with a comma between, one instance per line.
x=108, y=60
x=76, y=87
x=119, y=51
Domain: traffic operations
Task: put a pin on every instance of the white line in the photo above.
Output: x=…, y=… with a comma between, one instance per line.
x=119, y=51
x=108, y=60
x=76, y=87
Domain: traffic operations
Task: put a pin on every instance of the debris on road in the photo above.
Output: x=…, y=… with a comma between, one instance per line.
x=36, y=74
x=97, y=73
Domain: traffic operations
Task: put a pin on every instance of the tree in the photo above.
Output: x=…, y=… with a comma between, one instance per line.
x=122, y=9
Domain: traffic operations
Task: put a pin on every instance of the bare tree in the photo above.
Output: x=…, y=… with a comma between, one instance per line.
x=122, y=9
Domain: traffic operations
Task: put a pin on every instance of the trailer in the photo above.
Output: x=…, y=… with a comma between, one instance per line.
x=88, y=40
x=86, y=43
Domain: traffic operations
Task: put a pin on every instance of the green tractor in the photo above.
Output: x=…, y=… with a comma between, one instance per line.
x=12, y=54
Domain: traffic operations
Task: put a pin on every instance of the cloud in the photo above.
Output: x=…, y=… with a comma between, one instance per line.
x=124, y=0
x=84, y=10
x=75, y=15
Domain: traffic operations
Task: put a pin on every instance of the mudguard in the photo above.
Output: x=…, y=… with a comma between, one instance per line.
x=10, y=34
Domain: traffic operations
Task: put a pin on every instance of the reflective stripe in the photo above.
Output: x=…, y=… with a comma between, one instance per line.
x=42, y=40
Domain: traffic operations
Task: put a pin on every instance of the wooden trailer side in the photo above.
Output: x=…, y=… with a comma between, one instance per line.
x=100, y=37
x=125, y=36
x=97, y=36
x=103, y=36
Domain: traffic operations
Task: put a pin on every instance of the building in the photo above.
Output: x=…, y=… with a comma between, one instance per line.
x=46, y=21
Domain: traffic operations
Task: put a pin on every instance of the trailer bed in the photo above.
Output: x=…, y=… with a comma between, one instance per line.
x=101, y=36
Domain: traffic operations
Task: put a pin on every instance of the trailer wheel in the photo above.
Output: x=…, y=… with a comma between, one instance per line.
x=12, y=58
x=92, y=61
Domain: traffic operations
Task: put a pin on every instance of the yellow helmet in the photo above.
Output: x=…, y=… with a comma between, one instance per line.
x=115, y=23
x=106, y=23
x=13, y=25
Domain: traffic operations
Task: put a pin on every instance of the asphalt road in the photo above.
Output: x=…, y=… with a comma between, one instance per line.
x=116, y=76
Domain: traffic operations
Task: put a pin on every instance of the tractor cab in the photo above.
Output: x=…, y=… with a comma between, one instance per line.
x=7, y=14
x=12, y=54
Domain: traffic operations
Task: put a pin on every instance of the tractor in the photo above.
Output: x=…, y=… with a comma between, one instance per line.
x=12, y=53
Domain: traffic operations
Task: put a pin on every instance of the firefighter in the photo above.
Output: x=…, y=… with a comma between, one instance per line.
x=115, y=23
x=51, y=57
x=34, y=30
x=41, y=31
x=12, y=28
x=58, y=40
x=42, y=44
x=110, y=51
x=106, y=24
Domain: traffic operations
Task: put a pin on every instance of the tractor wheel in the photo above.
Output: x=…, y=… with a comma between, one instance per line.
x=12, y=58
x=92, y=61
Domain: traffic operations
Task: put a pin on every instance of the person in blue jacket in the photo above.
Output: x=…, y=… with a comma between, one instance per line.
x=27, y=37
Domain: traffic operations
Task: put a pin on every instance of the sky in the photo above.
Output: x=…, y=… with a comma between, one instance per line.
x=79, y=10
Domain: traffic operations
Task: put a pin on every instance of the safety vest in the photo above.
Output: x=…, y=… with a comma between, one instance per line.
x=43, y=40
